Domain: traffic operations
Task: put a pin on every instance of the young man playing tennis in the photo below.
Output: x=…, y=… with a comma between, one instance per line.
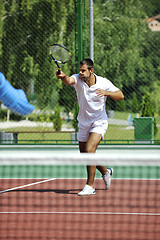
x=92, y=91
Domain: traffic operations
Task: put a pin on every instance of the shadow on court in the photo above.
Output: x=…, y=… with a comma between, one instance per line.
x=59, y=191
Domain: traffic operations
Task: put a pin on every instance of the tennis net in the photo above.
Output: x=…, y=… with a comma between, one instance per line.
x=38, y=195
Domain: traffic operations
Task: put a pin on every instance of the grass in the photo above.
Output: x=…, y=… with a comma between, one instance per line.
x=123, y=115
x=119, y=132
x=114, y=132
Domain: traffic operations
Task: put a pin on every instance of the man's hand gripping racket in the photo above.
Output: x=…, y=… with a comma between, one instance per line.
x=60, y=54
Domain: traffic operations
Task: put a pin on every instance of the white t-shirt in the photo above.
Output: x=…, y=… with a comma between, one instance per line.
x=92, y=107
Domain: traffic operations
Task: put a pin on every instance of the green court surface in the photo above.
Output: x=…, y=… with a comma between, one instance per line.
x=36, y=172
x=129, y=170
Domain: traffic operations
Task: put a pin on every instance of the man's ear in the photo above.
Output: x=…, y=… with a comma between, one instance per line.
x=92, y=70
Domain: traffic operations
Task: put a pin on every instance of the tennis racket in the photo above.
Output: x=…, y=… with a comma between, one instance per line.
x=60, y=54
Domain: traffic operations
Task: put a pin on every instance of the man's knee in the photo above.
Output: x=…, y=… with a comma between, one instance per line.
x=90, y=148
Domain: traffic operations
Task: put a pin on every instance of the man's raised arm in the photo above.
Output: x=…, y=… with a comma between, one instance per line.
x=65, y=78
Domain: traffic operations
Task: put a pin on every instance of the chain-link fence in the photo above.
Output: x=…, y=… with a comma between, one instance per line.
x=126, y=51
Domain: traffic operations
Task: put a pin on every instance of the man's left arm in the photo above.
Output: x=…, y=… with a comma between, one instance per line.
x=117, y=95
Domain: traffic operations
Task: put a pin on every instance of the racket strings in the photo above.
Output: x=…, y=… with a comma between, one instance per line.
x=60, y=54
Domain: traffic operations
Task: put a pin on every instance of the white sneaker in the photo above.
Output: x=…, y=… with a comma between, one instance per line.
x=107, y=178
x=87, y=190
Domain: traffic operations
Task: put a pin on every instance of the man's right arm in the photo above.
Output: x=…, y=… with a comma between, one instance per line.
x=65, y=78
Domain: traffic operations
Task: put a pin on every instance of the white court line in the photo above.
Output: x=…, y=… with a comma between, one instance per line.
x=27, y=185
x=89, y=213
x=51, y=179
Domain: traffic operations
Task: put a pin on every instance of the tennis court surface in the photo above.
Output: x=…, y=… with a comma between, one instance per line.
x=39, y=186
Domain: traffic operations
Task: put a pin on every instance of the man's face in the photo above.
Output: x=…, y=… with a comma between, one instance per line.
x=84, y=72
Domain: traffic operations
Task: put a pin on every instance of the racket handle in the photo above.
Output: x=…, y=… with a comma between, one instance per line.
x=58, y=71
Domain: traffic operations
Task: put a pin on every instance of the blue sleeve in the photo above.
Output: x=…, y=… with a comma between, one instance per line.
x=14, y=99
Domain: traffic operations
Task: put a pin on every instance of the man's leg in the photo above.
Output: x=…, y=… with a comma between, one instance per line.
x=102, y=169
x=90, y=147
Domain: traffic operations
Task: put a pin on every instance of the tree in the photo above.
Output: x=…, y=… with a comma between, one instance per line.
x=126, y=51
x=57, y=121
x=148, y=111
x=125, y=48
x=29, y=28
x=155, y=97
x=135, y=106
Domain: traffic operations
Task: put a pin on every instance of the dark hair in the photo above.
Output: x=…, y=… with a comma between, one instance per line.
x=88, y=62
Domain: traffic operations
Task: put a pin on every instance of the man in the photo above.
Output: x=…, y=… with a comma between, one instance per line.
x=92, y=91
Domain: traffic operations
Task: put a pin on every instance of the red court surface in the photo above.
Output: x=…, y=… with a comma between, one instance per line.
x=130, y=209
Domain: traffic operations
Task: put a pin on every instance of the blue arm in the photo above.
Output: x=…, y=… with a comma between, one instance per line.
x=14, y=99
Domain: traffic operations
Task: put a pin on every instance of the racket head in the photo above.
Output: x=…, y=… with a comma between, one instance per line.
x=60, y=54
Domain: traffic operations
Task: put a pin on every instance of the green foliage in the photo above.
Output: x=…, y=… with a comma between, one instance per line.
x=3, y=114
x=121, y=105
x=57, y=121
x=67, y=94
x=125, y=48
x=155, y=96
x=147, y=107
x=148, y=111
x=135, y=106
x=29, y=28
x=12, y=116
x=75, y=121
x=126, y=51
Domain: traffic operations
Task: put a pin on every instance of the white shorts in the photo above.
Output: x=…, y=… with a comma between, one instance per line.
x=99, y=126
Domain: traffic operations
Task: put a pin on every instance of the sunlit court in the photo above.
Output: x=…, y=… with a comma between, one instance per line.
x=39, y=187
